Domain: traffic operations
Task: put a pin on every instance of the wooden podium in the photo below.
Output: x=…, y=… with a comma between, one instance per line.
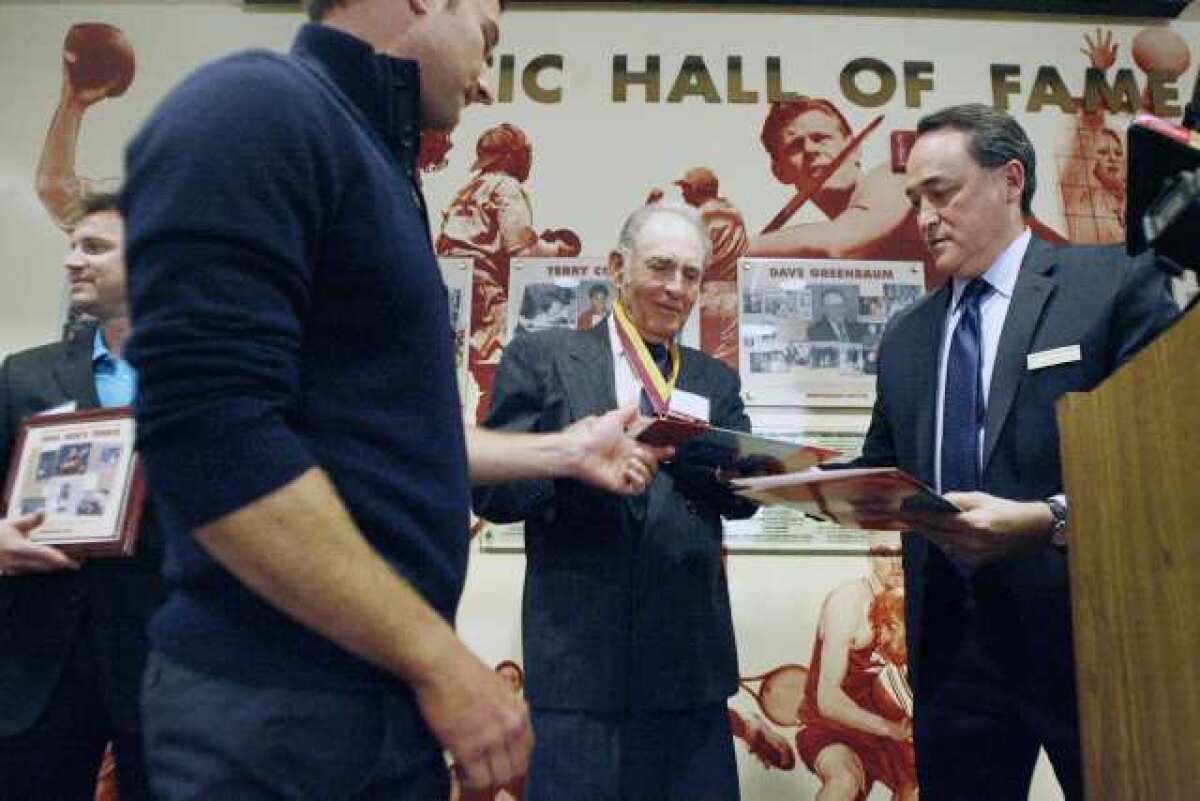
x=1131, y=462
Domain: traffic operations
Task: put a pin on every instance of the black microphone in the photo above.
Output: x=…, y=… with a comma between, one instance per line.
x=1191, y=112
x=1162, y=204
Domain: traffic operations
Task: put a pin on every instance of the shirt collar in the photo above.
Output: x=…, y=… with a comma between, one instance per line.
x=1002, y=275
x=386, y=90
x=614, y=339
x=100, y=351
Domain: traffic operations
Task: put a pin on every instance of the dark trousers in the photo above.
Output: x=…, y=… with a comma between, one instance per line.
x=977, y=729
x=58, y=758
x=644, y=756
x=210, y=738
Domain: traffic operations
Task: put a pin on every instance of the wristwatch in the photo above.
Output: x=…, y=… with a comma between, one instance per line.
x=1058, y=529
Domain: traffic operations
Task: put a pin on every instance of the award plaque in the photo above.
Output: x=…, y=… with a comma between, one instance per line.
x=81, y=470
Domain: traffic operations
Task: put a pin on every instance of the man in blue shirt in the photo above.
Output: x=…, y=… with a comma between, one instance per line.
x=73, y=635
x=300, y=424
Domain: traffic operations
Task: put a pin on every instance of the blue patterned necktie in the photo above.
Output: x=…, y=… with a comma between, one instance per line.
x=963, y=408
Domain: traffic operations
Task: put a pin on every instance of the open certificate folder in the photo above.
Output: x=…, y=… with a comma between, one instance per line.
x=865, y=497
x=734, y=452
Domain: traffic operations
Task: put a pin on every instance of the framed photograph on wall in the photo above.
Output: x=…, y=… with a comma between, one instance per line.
x=546, y=293
x=81, y=470
x=810, y=328
x=456, y=274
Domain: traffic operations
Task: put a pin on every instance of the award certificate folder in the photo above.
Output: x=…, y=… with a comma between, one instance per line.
x=697, y=442
x=81, y=470
x=868, y=498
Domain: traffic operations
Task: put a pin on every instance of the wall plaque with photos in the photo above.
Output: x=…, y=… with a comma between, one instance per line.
x=577, y=293
x=810, y=328
x=456, y=275
x=81, y=470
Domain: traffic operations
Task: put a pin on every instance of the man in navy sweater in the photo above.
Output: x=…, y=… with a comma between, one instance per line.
x=300, y=425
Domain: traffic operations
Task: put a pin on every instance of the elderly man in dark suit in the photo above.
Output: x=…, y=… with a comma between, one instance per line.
x=72, y=634
x=628, y=639
x=967, y=381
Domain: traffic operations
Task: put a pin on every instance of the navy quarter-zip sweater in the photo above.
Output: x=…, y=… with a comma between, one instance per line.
x=288, y=313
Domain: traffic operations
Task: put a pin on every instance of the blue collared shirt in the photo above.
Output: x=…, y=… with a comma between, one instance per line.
x=116, y=380
x=993, y=308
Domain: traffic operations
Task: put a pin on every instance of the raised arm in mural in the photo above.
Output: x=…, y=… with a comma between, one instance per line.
x=97, y=63
x=869, y=216
x=1092, y=177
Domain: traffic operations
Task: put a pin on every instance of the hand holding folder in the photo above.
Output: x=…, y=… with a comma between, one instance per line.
x=736, y=454
x=874, y=498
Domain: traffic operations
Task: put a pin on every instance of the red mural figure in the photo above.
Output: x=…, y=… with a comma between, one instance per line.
x=98, y=63
x=1092, y=177
x=778, y=695
x=856, y=716
x=491, y=220
x=435, y=147
x=718, y=292
x=1093, y=186
x=852, y=704
x=869, y=216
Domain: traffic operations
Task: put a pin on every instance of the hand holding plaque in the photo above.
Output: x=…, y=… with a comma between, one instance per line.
x=18, y=555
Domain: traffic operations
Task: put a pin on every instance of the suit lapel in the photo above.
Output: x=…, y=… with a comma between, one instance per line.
x=587, y=369
x=929, y=323
x=1034, y=287
x=930, y=328
x=693, y=377
x=74, y=370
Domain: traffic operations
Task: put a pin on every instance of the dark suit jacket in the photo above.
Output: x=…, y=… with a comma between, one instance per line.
x=821, y=330
x=1089, y=296
x=108, y=601
x=626, y=603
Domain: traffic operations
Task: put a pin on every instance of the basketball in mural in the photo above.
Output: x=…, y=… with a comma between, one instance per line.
x=1161, y=50
x=98, y=57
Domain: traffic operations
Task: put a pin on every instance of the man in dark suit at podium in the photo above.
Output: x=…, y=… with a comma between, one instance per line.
x=967, y=381
x=73, y=634
x=628, y=637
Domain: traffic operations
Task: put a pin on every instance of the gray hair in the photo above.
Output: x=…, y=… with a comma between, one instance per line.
x=994, y=139
x=637, y=222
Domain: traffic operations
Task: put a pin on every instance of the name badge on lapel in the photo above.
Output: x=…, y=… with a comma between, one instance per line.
x=1049, y=358
x=690, y=404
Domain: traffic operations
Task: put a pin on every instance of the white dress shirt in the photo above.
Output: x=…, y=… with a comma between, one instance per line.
x=626, y=382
